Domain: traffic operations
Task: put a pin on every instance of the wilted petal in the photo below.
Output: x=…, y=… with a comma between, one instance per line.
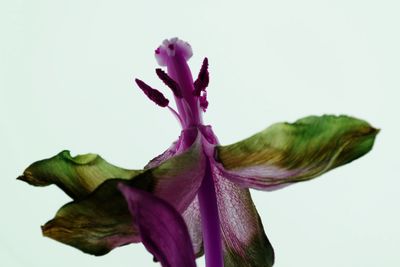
x=77, y=176
x=178, y=179
x=162, y=229
x=167, y=154
x=244, y=241
x=101, y=221
x=96, y=224
x=286, y=153
x=185, y=140
x=193, y=221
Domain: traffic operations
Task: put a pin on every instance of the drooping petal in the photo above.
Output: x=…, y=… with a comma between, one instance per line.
x=77, y=176
x=162, y=229
x=286, y=153
x=101, y=221
x=193, y=221
x=244, y=241
x=97, y=223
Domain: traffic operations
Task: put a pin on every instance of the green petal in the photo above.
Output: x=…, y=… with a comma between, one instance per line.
x=101, y=221
x=77, y=176
x=293, y=152
x=96, y=224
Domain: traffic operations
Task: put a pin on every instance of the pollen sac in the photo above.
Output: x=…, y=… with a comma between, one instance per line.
x=153, y=94
x=203, y=79
x=203, y=101
x=168, y=81
x=171, y=48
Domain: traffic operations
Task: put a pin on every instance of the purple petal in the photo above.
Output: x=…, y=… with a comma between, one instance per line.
x=186, y=139
x=244, y=240
x=178, y=179
x=193, y=221
x=162, y=229
x=167, y=154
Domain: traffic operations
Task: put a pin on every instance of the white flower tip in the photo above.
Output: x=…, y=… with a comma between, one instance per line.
x=171, y=48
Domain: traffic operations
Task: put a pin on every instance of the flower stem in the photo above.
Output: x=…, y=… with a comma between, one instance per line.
x=210, y=221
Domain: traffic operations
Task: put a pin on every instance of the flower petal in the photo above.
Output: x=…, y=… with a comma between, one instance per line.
x=101, y=221
x=178, y=179
x=185, y=140
x=97, y=223
x=286, y=153
x=193, y=221
x=77, y=176
x=162, y=229
x=244, y=241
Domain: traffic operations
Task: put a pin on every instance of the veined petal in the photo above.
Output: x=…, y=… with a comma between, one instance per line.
x=185, y=140
x=193, y=221
x=244, y=241
x=162, y=229
x=178, y=179
x=286, y=153
x=101, y=221
x=97, y=223
x=77, y=176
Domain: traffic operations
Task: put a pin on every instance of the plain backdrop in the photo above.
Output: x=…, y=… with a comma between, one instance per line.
x=67, y=70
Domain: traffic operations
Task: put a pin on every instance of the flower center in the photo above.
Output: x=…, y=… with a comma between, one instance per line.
x=174, y=54
x=190, y=97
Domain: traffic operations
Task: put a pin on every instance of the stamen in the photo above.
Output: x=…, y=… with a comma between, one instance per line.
x=203, y=79
x=203, y=101
x=174, y=86
x=154, y=95
x=176, y=114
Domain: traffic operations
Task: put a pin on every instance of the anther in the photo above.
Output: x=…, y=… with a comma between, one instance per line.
x=203, y=79
x=203, y=101
x=154, y=95
x=168, y=81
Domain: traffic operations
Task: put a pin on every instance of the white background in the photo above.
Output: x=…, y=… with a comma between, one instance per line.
x=67, y=70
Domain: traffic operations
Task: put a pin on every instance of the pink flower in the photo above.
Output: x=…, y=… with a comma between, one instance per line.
x=194, y=198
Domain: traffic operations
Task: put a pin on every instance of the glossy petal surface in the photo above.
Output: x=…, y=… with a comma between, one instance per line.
x=286, y=153
x=162, y=229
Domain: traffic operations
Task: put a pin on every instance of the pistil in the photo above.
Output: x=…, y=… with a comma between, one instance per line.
x=210, y=221
x=179, y=70
x=191, y=100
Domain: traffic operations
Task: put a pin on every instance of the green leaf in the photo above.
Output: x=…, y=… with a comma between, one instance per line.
x=293, y=152
x=77, y=176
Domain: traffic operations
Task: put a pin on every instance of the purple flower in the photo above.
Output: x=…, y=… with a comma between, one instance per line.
x=194, y=198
